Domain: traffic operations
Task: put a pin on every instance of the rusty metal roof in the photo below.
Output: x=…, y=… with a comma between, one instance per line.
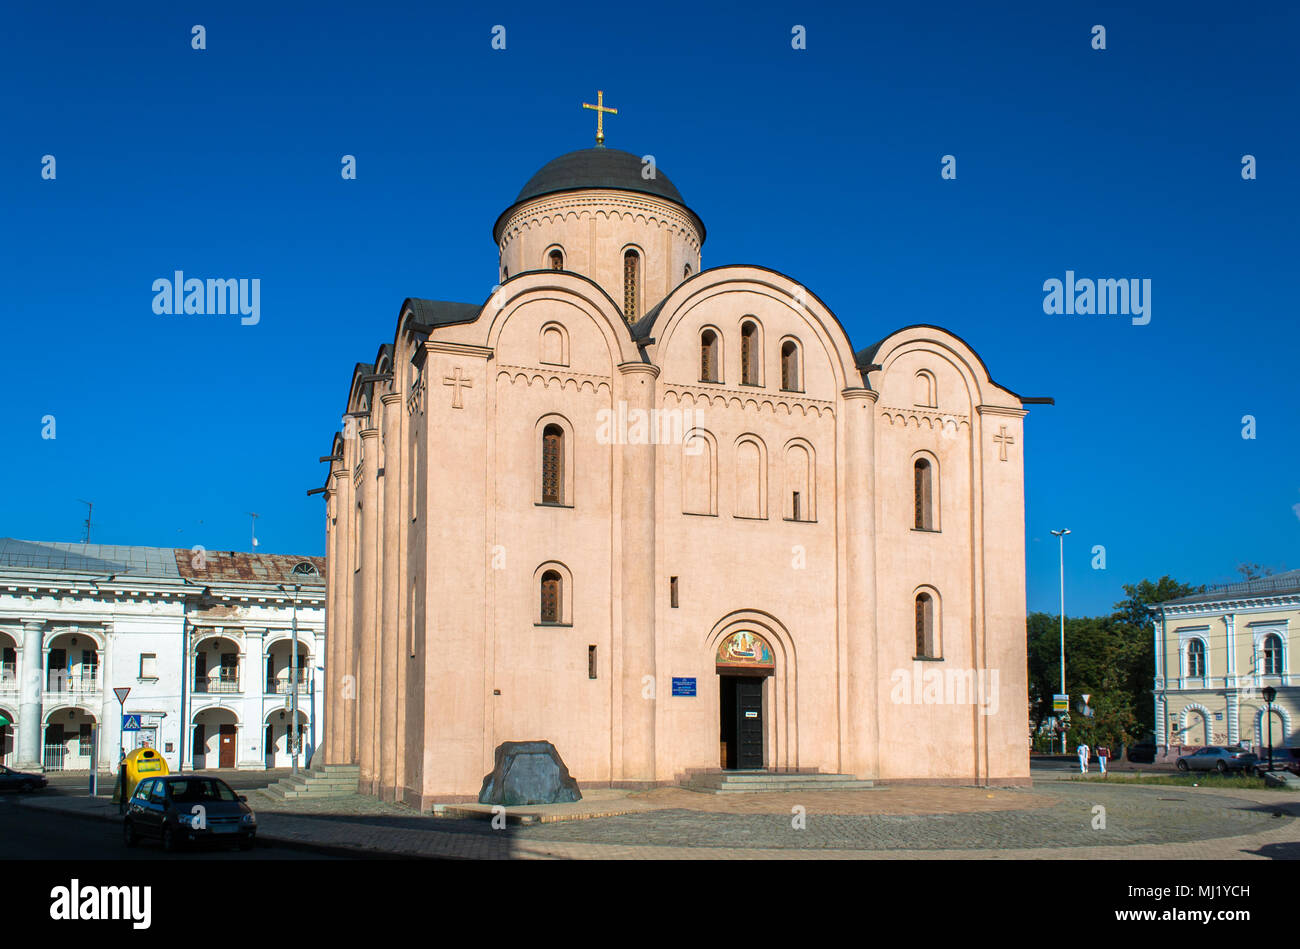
x=233, y=565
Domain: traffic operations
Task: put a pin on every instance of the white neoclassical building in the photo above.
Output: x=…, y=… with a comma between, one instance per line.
x=1215, y=654
x=203, y=640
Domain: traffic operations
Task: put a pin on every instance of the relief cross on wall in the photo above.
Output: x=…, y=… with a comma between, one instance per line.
x=458, y=381
x=1003, y=440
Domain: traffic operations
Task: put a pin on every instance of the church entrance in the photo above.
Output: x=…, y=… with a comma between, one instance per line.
x=741, y=716
x=743, y=661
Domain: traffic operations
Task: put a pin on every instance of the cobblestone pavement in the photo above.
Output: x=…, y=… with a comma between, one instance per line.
x=1048, y=822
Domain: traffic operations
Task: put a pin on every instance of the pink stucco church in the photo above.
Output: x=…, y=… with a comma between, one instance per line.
x=670, y=519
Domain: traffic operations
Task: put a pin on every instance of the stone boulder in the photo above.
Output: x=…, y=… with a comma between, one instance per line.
x=528, y=772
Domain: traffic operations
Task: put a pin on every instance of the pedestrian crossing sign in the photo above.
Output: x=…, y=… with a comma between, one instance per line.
x=130, y=723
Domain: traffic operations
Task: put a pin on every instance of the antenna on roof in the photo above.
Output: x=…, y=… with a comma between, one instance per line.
x=89, y=508
x=254, y=517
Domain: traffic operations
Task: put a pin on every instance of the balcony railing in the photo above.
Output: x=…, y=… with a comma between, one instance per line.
x=79, y=682
x=281, y=684
x=225, y=682
x=8, y=677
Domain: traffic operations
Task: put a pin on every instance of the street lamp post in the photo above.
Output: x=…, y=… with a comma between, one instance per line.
x=293, y=683
x=1060, y=536
x=1270, y=694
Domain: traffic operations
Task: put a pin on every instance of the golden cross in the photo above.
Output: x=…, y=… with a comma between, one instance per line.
x=600, y=110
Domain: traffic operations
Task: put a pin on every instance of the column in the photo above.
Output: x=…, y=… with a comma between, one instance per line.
x=27, y=754
x=637, y=581
x=861, y=743
x=365, y=629
x=390, y=644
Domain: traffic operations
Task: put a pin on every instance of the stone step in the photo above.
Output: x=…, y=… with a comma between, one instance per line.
x=740, y=781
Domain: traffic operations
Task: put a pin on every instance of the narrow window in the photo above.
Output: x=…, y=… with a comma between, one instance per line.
x=924, y=626
x=631, y=280
x=553, y=465
x=591, y=662
x=1272, y=655
x=1195, y=659
x=749, y=354
x=557, y=260
x=923, y=495
x=550, y=597
x=672, y=592
x=148, y=665
x=794, y=501
x=687, y=272
x=709, y=356
x=790, y=366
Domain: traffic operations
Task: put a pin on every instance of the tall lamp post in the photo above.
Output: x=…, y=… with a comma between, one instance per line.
x=1060, y=536
x=293, y=681
x=1269, y=694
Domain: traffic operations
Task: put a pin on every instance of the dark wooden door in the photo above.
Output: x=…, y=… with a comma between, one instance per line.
x=199, y=751
x=749, y=723
x=227, y=755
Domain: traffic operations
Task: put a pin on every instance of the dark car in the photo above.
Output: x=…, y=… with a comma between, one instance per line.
x=1218, y=758
x=181, y=809
x=11, y=780
x=1284, y=759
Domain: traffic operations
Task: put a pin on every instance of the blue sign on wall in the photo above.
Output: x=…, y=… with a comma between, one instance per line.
x=130, y=723
x=683, y=686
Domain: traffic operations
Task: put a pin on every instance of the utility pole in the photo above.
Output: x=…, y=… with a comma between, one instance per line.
x=1060, y=535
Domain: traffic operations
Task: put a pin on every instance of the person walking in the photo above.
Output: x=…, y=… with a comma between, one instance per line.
x=1103, y=752
x=1083, y=757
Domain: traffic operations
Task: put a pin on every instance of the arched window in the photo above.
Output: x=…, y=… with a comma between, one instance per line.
x=553, y=465
x=923, y=494
x=927, y=394
x=687, y=272
x=1195, y=658
x=554, y=345
x=550, y=597
x=749, y=354
x=557, y=259
x=751, y=488
x=631, y=284
x=1273, y=655
x=925, y=645
x=800, y=482
x=699, y=474
x=709, y=357
x=790, y=366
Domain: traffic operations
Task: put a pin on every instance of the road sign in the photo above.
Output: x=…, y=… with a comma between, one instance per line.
x=130, y=723
x=121, y=694
x=1060, y=703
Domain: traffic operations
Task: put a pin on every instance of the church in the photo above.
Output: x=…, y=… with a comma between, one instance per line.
x=670, y=520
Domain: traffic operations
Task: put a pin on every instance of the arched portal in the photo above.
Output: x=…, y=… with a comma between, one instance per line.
x=743, y=662
x=216, y=738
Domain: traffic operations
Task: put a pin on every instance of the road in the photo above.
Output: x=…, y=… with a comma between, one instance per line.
x=32, y=833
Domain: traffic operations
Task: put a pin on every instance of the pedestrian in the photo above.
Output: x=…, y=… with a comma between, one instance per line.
x=1103, y=752
x=1083, y=757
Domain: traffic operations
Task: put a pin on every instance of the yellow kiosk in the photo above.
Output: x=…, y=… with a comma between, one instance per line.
x=142, y=763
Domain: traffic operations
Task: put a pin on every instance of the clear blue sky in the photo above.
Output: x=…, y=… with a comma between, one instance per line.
x=225, y=162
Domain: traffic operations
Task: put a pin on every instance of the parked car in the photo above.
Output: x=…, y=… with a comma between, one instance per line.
x=11, y=780
x=1142, y=753
x=1284, y=759
x=181, y=809
x=1218, y=758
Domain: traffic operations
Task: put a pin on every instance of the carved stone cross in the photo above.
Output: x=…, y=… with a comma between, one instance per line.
x=1003, y=440
x=458, y=381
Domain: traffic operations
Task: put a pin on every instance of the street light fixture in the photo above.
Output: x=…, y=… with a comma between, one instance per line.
x=1060, y=536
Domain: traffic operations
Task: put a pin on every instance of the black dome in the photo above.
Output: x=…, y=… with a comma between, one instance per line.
x=596, y=168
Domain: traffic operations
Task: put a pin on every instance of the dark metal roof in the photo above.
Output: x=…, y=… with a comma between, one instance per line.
x=596, y=168
x=442, y=312
x=1275, y=585
x=88, y=558
x=225, y=565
